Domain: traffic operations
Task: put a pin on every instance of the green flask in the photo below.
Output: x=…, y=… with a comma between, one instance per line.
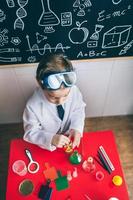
x=75, y=158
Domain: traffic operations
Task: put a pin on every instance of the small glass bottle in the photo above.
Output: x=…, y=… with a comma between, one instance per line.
x=88, y=165
x=75, y=158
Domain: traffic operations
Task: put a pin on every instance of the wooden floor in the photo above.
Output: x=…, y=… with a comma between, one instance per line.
x=122, y=127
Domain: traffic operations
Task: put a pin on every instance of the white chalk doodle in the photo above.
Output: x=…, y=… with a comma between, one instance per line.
x=40, y=37
x=81, y=11
x=66, y=19
x=78, y=35
x=126, y=48
x=15, y=40
x=9, y=50
x=2, y=16
x=47, y=47
x=10, y=3
x=42, y=51
x=10, y=59
x=87, y=3
x=31, y=59
x=81, y=7
x=35, y=47
x=28, y=41
x=116, y=1
x=91, y=44
x=21, y=13
x=48, y=18
x=92, y=54
x=116, y=37
x=76, y=4
x=103, y=15
x=95, y=35
x=3, y=37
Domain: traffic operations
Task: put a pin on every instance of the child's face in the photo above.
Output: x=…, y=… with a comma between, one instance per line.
x=57, y=96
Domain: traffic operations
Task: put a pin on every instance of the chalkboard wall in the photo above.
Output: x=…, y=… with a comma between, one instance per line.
x=82, y=29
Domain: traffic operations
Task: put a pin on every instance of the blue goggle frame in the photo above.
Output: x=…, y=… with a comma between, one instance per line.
x=54, y=81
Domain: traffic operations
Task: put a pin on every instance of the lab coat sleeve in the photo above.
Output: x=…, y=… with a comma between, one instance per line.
x=34, y=132
x=78, y=113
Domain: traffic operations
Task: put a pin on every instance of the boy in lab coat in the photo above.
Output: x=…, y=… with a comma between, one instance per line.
x=55, y=112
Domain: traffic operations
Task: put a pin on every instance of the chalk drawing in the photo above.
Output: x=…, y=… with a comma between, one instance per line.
x=126, y=48
x=2, y=16
x=40, y=37
x=81, y=33
x=21, y=13
x=48, y=18
x=116, y=37
x=15, y=40
x=116, y=1
x=95, y=35
x=10, y=3
x=47, y=47
x=66, y=19
x=3, y=37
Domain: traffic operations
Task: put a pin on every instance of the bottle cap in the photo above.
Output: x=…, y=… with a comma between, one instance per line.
x=90, y=159
x=117, y=180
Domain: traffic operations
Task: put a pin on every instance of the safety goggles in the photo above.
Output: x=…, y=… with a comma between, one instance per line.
x=54, y=81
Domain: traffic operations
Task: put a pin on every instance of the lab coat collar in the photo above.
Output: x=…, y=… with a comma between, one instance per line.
x=51, y=106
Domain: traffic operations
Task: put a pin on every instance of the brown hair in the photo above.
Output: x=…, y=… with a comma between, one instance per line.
x=52, y=63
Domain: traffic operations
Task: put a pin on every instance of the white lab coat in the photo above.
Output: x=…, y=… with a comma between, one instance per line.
x=41, y=121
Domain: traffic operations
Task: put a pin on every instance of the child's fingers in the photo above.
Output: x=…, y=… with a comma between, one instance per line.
x=70, y=137
x=64, y=140
x=76, y=142
x=60, y=140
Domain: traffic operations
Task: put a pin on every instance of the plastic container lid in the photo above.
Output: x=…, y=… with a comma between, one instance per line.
x=117, y=180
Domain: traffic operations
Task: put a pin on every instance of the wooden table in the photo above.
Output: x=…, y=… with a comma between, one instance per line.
x=85, y=183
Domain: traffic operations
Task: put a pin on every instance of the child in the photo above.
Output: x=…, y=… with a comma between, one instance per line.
x=55, y=112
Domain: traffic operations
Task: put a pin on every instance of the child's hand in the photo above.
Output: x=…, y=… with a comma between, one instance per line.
x=75, y=136
x=60, y=140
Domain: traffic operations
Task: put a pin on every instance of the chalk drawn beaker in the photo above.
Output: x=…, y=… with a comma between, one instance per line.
x=48, y=18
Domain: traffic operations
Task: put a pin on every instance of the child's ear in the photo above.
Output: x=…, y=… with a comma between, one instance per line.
x=40, y=83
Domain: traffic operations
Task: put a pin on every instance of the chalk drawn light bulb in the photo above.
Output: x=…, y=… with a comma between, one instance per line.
x=48, y=18
x=78, y=35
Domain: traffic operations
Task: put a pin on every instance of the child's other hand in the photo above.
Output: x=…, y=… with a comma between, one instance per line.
x=75, y=136
x=60, y=140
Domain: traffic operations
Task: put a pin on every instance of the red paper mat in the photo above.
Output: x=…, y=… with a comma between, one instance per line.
x=85, y=183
